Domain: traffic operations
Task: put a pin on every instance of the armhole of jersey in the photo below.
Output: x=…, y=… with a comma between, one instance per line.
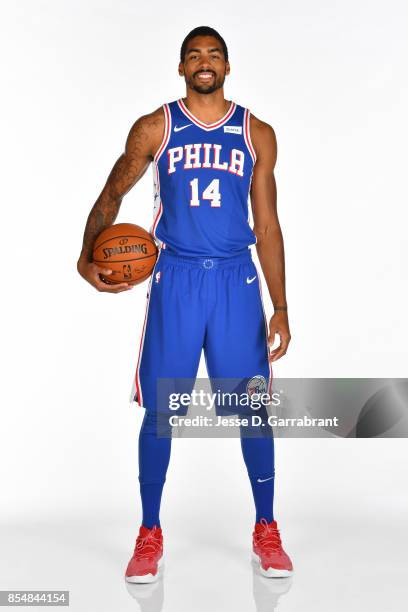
x=247, y=134
x=166, y=135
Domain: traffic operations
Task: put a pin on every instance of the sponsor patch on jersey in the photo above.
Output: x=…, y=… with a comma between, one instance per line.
x=233, y=129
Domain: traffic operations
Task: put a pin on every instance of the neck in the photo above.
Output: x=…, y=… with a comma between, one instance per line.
x=207, y=107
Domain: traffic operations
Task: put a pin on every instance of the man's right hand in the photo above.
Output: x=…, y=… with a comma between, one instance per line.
x=91, y=273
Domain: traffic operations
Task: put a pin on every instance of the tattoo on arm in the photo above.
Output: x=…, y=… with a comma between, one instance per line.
x=128, y=169
x=103, y=214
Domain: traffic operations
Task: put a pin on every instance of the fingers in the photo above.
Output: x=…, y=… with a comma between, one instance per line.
x=271, y=338
x=280, y=350
x=276, y=354
x=93, y=274
x=104, y=271
x=106, y=287
x=114, y=288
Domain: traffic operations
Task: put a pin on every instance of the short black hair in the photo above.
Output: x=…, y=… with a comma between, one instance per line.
x=203, y=31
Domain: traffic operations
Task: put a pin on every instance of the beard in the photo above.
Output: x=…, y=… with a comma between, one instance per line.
x=203, y=88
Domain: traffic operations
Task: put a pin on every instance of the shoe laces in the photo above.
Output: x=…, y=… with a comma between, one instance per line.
x=148, y=545
x=269, y=537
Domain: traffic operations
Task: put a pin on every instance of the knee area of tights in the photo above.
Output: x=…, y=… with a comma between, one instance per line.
x=156, y=424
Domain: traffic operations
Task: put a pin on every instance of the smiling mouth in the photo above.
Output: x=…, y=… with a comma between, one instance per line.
x=204, y=76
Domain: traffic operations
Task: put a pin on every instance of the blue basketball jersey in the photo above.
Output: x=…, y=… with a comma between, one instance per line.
x=202, y=178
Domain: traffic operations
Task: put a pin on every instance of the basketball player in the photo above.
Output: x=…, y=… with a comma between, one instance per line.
x=209, y=154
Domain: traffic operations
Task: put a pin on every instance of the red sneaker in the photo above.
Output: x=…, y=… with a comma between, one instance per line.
x=147, y=557
x=268, y=551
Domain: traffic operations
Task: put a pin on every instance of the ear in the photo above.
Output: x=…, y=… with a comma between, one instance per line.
x=181, y=69
x=227, y=68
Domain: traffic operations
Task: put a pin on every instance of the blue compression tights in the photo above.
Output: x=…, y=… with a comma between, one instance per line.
x=154, y=457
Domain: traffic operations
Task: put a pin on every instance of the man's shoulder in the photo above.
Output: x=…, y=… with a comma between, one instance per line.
x=262, y=135
x=261, y=127
x=147, y=131
x=150, y=121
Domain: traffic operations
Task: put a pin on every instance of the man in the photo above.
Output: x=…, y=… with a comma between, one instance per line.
x=208, y=155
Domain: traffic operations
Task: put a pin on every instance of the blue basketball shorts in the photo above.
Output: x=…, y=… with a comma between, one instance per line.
x=198, y=303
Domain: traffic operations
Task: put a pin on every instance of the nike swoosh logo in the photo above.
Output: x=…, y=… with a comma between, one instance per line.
x=183, y=127
x=264, y=479
x=250, y=280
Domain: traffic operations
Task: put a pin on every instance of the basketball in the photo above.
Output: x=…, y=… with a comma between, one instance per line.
x=128, y=250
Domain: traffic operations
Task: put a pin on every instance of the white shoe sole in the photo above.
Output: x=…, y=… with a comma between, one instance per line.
x=146, y=578
x=271, y=572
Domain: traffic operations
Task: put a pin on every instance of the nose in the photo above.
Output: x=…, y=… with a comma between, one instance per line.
x=205, y=63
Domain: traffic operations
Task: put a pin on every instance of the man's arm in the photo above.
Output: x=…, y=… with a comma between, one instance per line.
x=143, y=141
x=268, y=233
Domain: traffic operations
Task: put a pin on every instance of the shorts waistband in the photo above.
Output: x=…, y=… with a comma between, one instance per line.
x=208, y=263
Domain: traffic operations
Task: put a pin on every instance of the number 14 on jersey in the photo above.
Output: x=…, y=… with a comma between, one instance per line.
x=211, y=192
